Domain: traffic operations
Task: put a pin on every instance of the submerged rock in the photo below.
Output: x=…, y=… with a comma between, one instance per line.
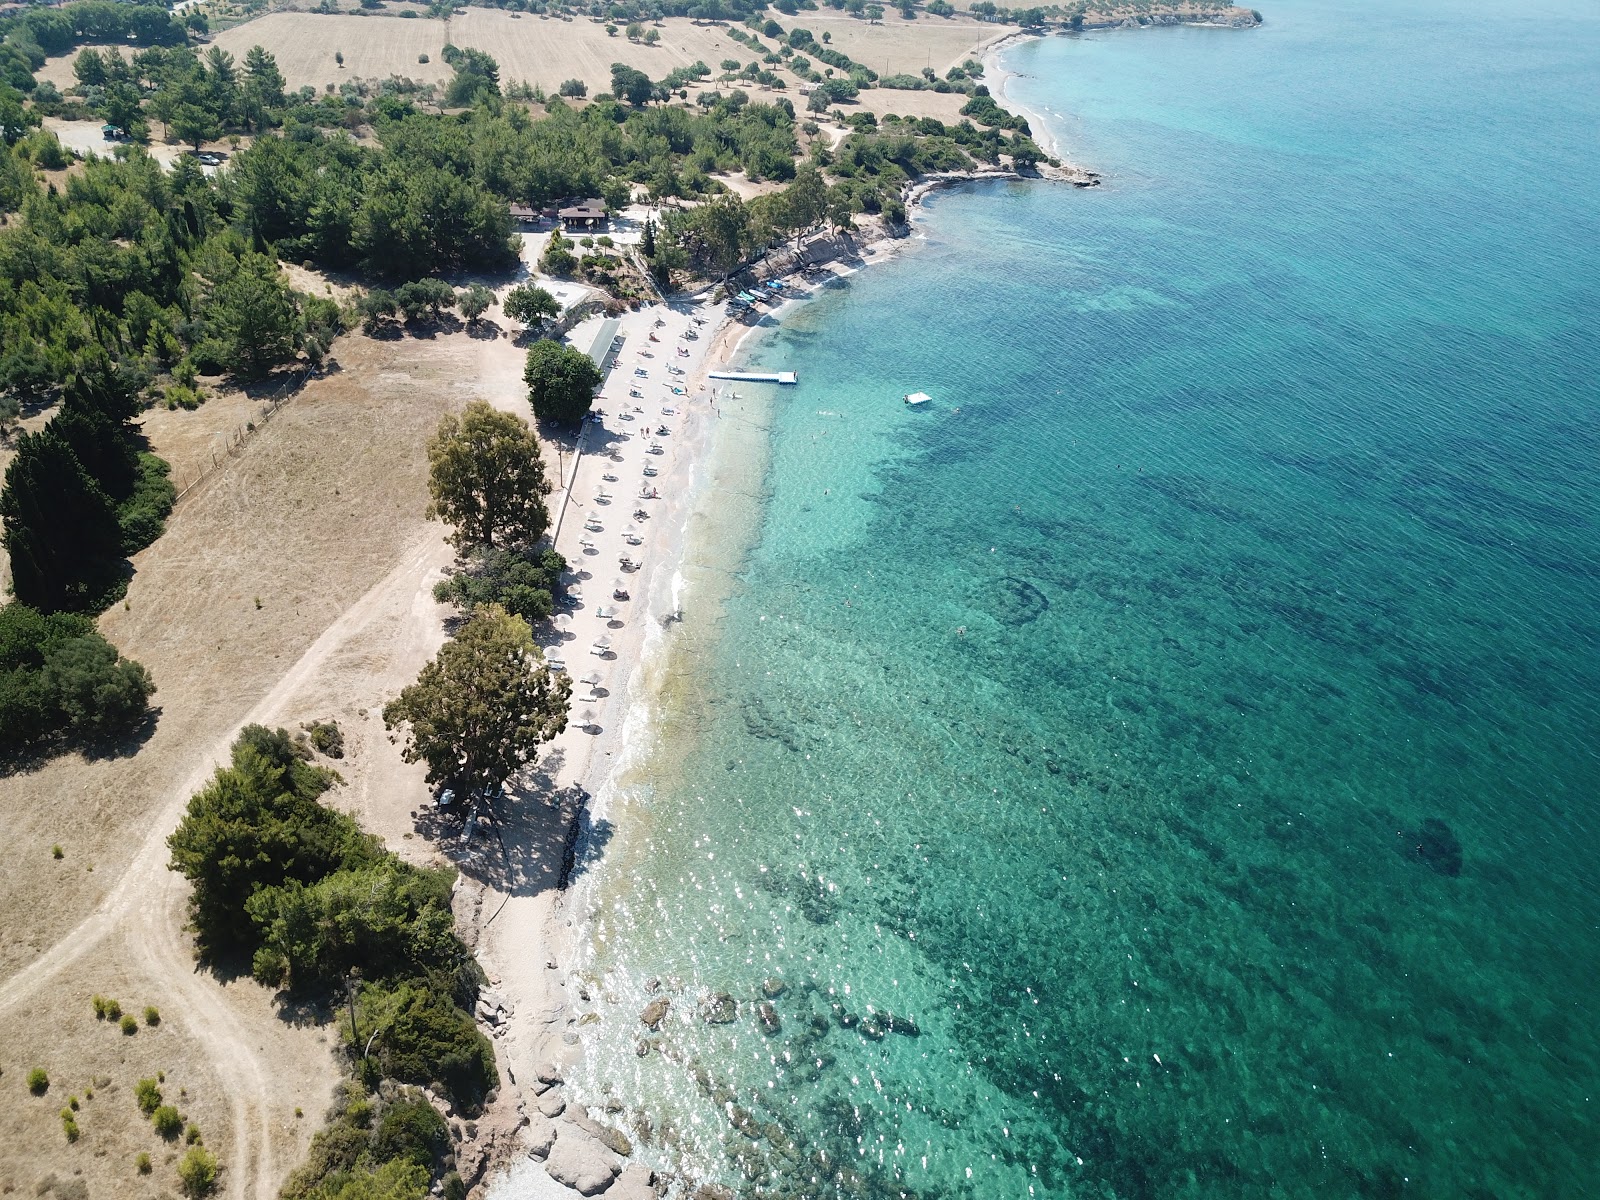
x=1018, y=602
x=904, y=1026
x=769, y=1018
x=720, y=1009
x=1437, y=846
x=655, y=1012
x=773, y=988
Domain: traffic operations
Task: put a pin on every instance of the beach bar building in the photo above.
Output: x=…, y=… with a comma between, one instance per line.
x=584, y=214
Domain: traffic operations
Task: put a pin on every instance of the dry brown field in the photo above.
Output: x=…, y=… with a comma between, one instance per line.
x=547, y=50
x=373, y=47
x=289, y=585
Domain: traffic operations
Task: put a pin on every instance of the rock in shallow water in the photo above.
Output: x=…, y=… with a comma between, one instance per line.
x=769, y=1018
x=721, y=1009
x=655, y=1012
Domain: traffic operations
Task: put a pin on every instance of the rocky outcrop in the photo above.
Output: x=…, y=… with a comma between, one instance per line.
x=635, y=1183
x=540, y=1135
x=581, y=1162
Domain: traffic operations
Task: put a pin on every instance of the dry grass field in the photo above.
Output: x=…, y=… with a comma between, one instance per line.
x=547, y=50
x=292, y=584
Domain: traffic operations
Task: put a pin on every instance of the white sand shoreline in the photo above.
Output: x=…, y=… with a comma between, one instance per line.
x=536, y=944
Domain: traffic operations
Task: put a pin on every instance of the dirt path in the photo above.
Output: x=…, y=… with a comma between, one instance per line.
x=294, y=584
x=148, y=902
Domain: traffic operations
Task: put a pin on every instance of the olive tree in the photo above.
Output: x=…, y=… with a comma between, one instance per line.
x=561, y=382
x=486, y=478
x=479, y=711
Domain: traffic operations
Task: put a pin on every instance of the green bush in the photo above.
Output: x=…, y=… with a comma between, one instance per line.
x=69, y=1126
x=426, y=1038
x=326, y=738
x=61, y=681
x=191, y=1135
x=38, y=1081
x=129, y=1024
x=524, y=584
x=141, y=1163
x=256, y=825
x=197, y=1172
x=148, y=1096
x=152, y=1015
x=412, y=1130
x=57, y=852
x=168, y=1123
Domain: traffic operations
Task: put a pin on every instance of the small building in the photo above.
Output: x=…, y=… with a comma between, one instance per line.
x=524, y=213
x=584, y=214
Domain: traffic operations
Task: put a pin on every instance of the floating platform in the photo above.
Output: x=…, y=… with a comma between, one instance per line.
x=757, y=376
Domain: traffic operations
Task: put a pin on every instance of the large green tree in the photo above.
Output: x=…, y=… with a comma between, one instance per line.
x=486, y=478
x=561, y=382
x=478, y=712
x=530, y=304
x=61, y=528
x=252, y=318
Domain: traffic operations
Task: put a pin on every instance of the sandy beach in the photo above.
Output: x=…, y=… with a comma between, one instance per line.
x=657, y=411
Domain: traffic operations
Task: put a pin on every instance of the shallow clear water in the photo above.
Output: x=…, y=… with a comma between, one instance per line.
x=1091, y=719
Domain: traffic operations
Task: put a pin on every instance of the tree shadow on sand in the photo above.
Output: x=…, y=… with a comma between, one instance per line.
x=537, y=837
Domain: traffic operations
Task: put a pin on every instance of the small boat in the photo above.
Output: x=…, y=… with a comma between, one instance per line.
x=649, y=469
x=917, y=398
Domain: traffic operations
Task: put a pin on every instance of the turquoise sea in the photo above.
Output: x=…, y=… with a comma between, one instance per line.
x=1187, y=727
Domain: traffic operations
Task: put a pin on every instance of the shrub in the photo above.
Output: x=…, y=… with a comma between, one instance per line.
x=422, y=58
x=38, y=1081
x=574, y=88
x=191, y=1135
x=141, y=1163
x=427, y=1039
x=167, y=1121
x=326, y=738
x=524, y=584
x=197, y=1171
x=68, y=1125
x=148, y=1096
x=129, y=1025
x=412, y=1129
x=152, y=1015
x=57, y=852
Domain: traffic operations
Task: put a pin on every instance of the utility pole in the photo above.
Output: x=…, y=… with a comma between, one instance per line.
x=351, y=983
